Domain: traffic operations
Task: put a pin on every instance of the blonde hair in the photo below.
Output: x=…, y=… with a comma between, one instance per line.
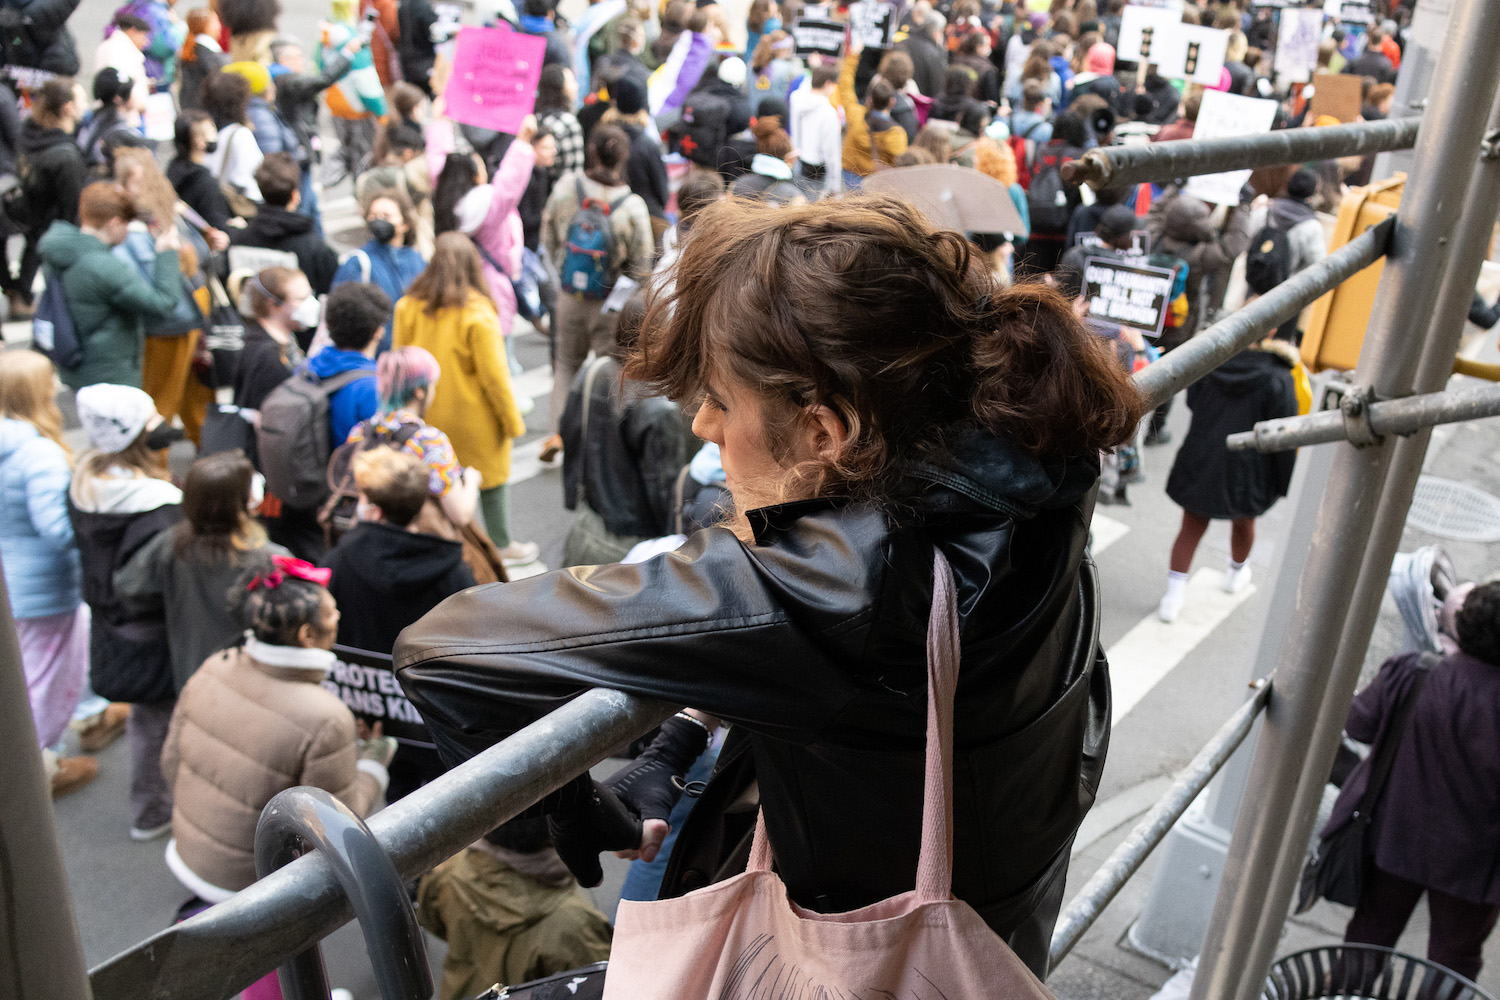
x=28, y=394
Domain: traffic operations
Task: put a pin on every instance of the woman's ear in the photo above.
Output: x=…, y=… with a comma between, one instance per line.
x=307, y=636
x=826, y=433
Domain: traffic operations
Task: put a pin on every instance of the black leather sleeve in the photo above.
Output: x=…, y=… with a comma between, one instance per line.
x=753, y=635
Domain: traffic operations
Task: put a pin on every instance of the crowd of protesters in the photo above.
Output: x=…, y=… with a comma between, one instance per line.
x=352, y=415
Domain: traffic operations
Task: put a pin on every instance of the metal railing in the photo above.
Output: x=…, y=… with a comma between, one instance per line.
x=1117, y=166
x=1102, y=887
x=1368, y=423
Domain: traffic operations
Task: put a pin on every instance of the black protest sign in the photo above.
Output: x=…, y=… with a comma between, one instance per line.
x=813, y=36
x=1127, y=293
x=367, y=686
x=1140, y=242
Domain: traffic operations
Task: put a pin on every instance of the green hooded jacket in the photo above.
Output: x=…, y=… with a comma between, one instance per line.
x=108, y=302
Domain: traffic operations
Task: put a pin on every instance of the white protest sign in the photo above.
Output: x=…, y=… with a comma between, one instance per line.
x=1220, y=116
x=1191, y=52
x=1128, y=293
x=1142, y=30
x=1297, y=43
x=872, y=23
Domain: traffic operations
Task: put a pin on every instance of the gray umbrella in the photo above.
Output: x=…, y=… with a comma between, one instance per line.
x=953, y=197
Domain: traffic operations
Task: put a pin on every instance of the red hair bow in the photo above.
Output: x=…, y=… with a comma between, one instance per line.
x=299, y=569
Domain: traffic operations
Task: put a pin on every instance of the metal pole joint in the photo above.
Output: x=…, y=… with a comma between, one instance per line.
x=1489, y=148
x=1355, y=407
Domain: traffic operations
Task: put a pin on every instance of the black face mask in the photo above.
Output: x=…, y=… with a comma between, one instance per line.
x=383, y=230
x=210, y=147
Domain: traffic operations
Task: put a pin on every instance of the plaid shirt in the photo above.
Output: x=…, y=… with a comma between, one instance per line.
x=569, y=134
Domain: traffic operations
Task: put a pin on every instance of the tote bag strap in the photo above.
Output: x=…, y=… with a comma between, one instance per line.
x=935, y=862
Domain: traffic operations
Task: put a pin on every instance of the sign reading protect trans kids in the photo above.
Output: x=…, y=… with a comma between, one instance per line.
x=1128, y=294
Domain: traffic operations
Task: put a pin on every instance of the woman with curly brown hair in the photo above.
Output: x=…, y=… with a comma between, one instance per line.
x=875, y=396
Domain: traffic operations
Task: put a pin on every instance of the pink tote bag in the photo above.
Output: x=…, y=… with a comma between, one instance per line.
x=743, y=939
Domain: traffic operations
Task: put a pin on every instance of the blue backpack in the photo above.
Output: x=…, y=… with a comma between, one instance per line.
x=52, y=330
x=586, y=271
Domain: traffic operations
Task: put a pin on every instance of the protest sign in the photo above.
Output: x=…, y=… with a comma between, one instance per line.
x=493, y=81
x=873, y=23
x=1297, y=43
x=1356, y=12
x=814, y=36
x=1219, y=116
x=1140, y=242
x=1127, y=293
x=1335, y=94
x=367, y=686
x=1142, y=30
x=1190, y=52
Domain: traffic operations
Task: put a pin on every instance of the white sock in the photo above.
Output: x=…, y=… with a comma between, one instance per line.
x=1235, y=567
x=1176, y=583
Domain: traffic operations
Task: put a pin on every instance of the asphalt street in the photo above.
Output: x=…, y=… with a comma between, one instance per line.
x=1177, y=686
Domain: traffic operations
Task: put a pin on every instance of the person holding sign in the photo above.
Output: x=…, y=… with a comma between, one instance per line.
x=872, y=140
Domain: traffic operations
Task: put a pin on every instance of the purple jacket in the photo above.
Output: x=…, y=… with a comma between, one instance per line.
x=1438, y=821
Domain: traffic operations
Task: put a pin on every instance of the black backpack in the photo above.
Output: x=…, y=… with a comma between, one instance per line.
x=292, y=440
x=1050, y=200
x=1269, y=260
x=703, y=129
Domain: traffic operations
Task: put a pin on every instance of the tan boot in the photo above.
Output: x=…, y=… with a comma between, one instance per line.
x=104, y=730
x=73, y=773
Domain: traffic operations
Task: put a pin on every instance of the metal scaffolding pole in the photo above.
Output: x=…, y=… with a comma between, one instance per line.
x=1393, y=417
x=1313, y=683
x=40, y=952
x=1105, y=884
x=1118, y=166
x=1179, y=369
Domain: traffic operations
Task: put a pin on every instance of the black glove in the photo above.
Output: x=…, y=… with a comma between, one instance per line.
x=648, y=786
x=597, y=822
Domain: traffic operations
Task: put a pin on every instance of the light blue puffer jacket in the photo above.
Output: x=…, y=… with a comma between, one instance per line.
x=36, y=537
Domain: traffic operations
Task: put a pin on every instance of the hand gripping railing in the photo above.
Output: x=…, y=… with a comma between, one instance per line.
x=300, y=819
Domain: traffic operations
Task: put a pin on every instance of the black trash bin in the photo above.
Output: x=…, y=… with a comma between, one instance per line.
x=1365, y=971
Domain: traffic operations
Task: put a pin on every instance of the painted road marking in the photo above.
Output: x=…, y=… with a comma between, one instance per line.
x=1150, y=650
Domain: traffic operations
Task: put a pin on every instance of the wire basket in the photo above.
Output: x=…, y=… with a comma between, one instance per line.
x=1368, y=972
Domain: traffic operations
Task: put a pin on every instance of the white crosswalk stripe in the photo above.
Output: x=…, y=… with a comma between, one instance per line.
x=1105, y=531
x=1152, y=649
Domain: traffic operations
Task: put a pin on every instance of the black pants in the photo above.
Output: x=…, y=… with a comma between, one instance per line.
x=1458, y=929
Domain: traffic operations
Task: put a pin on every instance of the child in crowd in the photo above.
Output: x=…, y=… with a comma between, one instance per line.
x=188, y=571
x=119, y=499
x=387, y=573
x=254, y=721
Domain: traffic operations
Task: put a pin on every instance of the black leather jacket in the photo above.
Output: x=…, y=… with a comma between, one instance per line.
x=813, y=642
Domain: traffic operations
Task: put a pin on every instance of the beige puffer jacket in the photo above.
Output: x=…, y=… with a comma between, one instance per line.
x=243, y=731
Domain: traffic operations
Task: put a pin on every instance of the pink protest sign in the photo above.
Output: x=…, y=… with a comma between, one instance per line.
x=494, y=78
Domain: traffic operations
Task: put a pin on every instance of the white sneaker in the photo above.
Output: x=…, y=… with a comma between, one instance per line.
x=1171, y=605
x=143, y=834
x=339, y=993
x=520, y=553
x=1236, y=580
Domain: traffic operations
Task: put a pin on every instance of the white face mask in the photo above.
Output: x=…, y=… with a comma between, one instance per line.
x=307, y=312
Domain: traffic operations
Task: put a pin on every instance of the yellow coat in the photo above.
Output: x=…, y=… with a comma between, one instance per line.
x=474, y=404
